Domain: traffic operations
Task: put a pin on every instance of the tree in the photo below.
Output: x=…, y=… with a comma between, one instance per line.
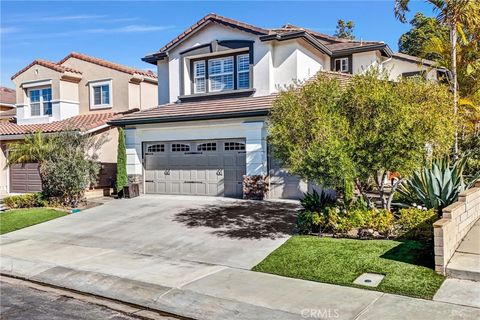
x=454, y=14
x=423, y=29
x=345, y=29
x=122, y=178
x=330, y=135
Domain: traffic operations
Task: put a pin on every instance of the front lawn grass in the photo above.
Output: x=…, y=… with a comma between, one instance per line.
x=407, y=265
x=21, y=218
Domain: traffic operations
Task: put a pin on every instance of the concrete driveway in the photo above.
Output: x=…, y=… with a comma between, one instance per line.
x=171, y=239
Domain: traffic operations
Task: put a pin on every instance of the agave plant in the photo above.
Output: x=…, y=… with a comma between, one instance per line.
x=436, y=186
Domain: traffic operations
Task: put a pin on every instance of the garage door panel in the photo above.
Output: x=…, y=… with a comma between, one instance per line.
x=199, y=171
x=25, y=178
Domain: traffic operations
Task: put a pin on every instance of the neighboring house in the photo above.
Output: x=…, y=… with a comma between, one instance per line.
x=218, y=80
x=7, y=104
x=78, y=93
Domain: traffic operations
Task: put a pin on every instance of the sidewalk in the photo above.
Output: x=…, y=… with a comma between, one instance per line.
x=229, y=293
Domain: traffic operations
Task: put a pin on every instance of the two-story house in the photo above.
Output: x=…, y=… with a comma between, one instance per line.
x=79, y=92
x=217, y=82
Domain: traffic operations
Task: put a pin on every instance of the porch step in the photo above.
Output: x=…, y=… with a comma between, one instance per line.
x=464, y=266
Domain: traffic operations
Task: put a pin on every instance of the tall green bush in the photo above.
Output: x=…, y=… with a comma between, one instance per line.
x=122, y=178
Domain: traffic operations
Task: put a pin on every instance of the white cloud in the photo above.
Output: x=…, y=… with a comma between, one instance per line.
x=128, y=29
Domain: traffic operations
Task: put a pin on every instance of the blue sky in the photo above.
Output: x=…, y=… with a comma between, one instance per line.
x=124, y=31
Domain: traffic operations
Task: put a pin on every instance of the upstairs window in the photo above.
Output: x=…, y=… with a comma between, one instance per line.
x=40, y=102
x=199, y=77
x=341, y=65
x=101, y=94
x=221, y=74
x=243, y=70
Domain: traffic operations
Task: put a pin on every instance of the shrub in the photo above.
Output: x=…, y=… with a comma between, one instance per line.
x=315, y=201
x=28, y=200
x=416, y=223
x=308, y=222
x=122, y=178
x=438, y=185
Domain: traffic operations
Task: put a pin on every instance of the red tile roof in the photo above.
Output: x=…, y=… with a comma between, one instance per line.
x=332, y=43
x=82, y=122
x=47, y=64
x=108, y=64
x=7, y=96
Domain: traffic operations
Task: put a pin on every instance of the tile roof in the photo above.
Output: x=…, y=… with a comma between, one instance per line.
x=213, y=109
x=408, y=57
x=220, y=108
x=331, y=42
x=47, y=64
x=108, y=64
x=82, y=122
x=7, y=95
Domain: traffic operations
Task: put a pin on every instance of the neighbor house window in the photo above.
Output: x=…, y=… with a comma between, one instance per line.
x=40, y=102
x=341, y=65
x=243, y=71
x=101, y=94
x=221, y=74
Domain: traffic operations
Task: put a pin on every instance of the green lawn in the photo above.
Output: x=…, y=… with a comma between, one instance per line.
x=407, y=266
x=20, y=218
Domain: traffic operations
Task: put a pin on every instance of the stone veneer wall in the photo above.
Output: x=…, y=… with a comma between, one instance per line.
x=458, y=218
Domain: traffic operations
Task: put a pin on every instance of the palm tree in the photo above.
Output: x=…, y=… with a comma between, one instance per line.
x=453, y=13
x=35, y=147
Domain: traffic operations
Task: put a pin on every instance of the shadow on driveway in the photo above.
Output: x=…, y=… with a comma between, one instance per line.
x=243, y=220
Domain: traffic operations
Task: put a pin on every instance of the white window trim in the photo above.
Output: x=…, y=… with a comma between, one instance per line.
x=243, y=71
x=341, y=65
x=97, y=83
x=42, y=111
x=210, y=75
x=195, y=77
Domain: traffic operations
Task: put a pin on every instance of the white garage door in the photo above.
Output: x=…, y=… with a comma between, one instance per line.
x=207, y=167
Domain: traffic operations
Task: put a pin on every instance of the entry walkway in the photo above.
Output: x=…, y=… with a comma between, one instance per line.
x=463, y=271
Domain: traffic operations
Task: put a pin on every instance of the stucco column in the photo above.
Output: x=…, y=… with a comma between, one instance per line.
x=134, y=156
x=254, y=184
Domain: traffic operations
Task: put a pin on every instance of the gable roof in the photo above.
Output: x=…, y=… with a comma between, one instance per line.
x=46, y=64
x=7, y=96
x=328, y=44
x=108, y=64
x=83, y=122
x=409, y=58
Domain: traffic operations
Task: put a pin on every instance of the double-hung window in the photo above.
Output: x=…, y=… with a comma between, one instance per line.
x=100, y=94
x=220, y=74
x=40, y=102
x=341, y=65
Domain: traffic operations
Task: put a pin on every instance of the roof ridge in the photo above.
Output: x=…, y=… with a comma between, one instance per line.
x=107, y=64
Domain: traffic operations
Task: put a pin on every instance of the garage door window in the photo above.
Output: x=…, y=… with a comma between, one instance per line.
x=156, y=148
x=231, y=146
x=178, y=147
x=210, y=146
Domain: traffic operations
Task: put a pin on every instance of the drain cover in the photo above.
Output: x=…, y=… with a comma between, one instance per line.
x=369, y=279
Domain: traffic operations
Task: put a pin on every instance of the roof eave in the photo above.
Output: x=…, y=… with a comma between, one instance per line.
x=227, y=115
x=385, y=49
x=154, y=57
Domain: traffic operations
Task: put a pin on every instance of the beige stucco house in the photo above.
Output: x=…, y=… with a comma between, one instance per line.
x=79, y=92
